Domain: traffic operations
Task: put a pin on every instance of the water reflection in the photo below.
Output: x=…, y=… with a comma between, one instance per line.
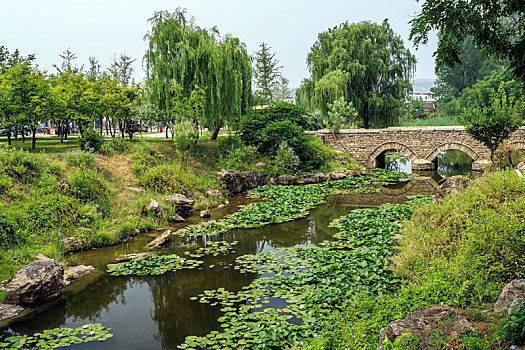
x=448, y=163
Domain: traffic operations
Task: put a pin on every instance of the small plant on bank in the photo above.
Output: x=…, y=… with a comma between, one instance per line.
x=83, y=160
x=286, y=161
x=492, y=124
x=513, y=327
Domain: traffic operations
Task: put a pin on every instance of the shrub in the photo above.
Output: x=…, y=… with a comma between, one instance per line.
x=22, y=165
x=166, y=178
x=91, y=141
x=143, y=159
x=10, y=234
x=284, y=123
x=475, y=237
x=513, y=328
x=88, y=188
x=238, y=158
x=286, y=161
x=49, y=213
x=5, y=183
x=83, y=160
x=114, y=146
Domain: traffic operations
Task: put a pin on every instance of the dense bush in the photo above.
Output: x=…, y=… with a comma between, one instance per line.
x=266, y=130
x=513, y=328
x=87, y=187
x=49, y=213
x=21, y=165
x=476, y=236
x=114, y=146
x=238, y=158
x=10, y=234
x=143, y=159
x=166, y=178
x=91, y=141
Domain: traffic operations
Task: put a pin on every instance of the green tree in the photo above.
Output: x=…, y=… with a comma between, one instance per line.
x=121, y=70
x=266, y=73
x=365, y=63
x=493, y=123
x=183, y=53
x=495, y=25
x=340, y=114
x=472, y=66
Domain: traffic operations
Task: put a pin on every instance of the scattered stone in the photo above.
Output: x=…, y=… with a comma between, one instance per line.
x=74, y=272
x=42, y=257
x=521, y=167
x=184, y=204
x=430, y=325
x=129, y=257
x=38, y=281
x=261, y=165
x=204, y=214
x=74, y=244
x=153, y=207
x=151, y=152
x=160, y=240
x=10, y=312
x=214, y=194
x=221, y=206
x=136, y=189
x=450, y=186
x=481, y=165
x=336, y=175
x=512, y=295
x=176, y=218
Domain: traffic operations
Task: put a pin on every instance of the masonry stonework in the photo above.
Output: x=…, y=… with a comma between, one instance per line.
x=421, y=144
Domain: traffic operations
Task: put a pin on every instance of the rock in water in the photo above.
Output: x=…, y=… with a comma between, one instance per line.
x=429, y=324
x=36, y=282
x=176, y=218
x=512, y=295
x=160, y=240
x=74, y=272
x=9, y=312
x=233, y=182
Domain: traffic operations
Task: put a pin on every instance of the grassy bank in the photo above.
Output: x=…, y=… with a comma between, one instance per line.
x=461, y=253
x=435, y=121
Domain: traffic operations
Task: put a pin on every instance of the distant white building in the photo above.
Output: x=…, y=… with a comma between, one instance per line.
x=421, y=96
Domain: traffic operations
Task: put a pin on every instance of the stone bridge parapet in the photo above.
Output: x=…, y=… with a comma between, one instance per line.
x=421, y=144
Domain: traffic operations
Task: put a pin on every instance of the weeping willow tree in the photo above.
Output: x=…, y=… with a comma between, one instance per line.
x=183, y=54
x=366, y=64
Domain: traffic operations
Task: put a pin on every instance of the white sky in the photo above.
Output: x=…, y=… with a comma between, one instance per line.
x=103, y=28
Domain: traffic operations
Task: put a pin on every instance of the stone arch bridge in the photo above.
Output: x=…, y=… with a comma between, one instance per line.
x=421, y=144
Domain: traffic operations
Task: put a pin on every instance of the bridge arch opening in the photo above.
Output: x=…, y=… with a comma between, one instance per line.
x=392, y=155
x=453, y=162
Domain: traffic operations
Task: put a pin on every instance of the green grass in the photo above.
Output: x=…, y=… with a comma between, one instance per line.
x=50, y=144
x=436, y=121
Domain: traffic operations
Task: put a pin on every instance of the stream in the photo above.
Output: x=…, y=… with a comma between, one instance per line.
x=155, y=312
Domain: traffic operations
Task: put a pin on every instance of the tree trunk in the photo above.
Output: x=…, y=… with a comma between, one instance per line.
x=216, y=130
x=33, y=141
x=167, y=132
x=9, y=137
x=23, y=136
x=101, y=127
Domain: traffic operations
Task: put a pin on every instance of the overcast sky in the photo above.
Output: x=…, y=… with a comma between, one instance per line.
x=103, y=28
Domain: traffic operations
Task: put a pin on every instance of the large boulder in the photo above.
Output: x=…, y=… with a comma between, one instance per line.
x=184, y=204
x=450, y=186
x=152, y=208
x=233, y=182
x=38, y=281
x=430, y=325
x=511, y=296
x=75, y=244
x=285, y=180
x=253, y=179
x=75, y=272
